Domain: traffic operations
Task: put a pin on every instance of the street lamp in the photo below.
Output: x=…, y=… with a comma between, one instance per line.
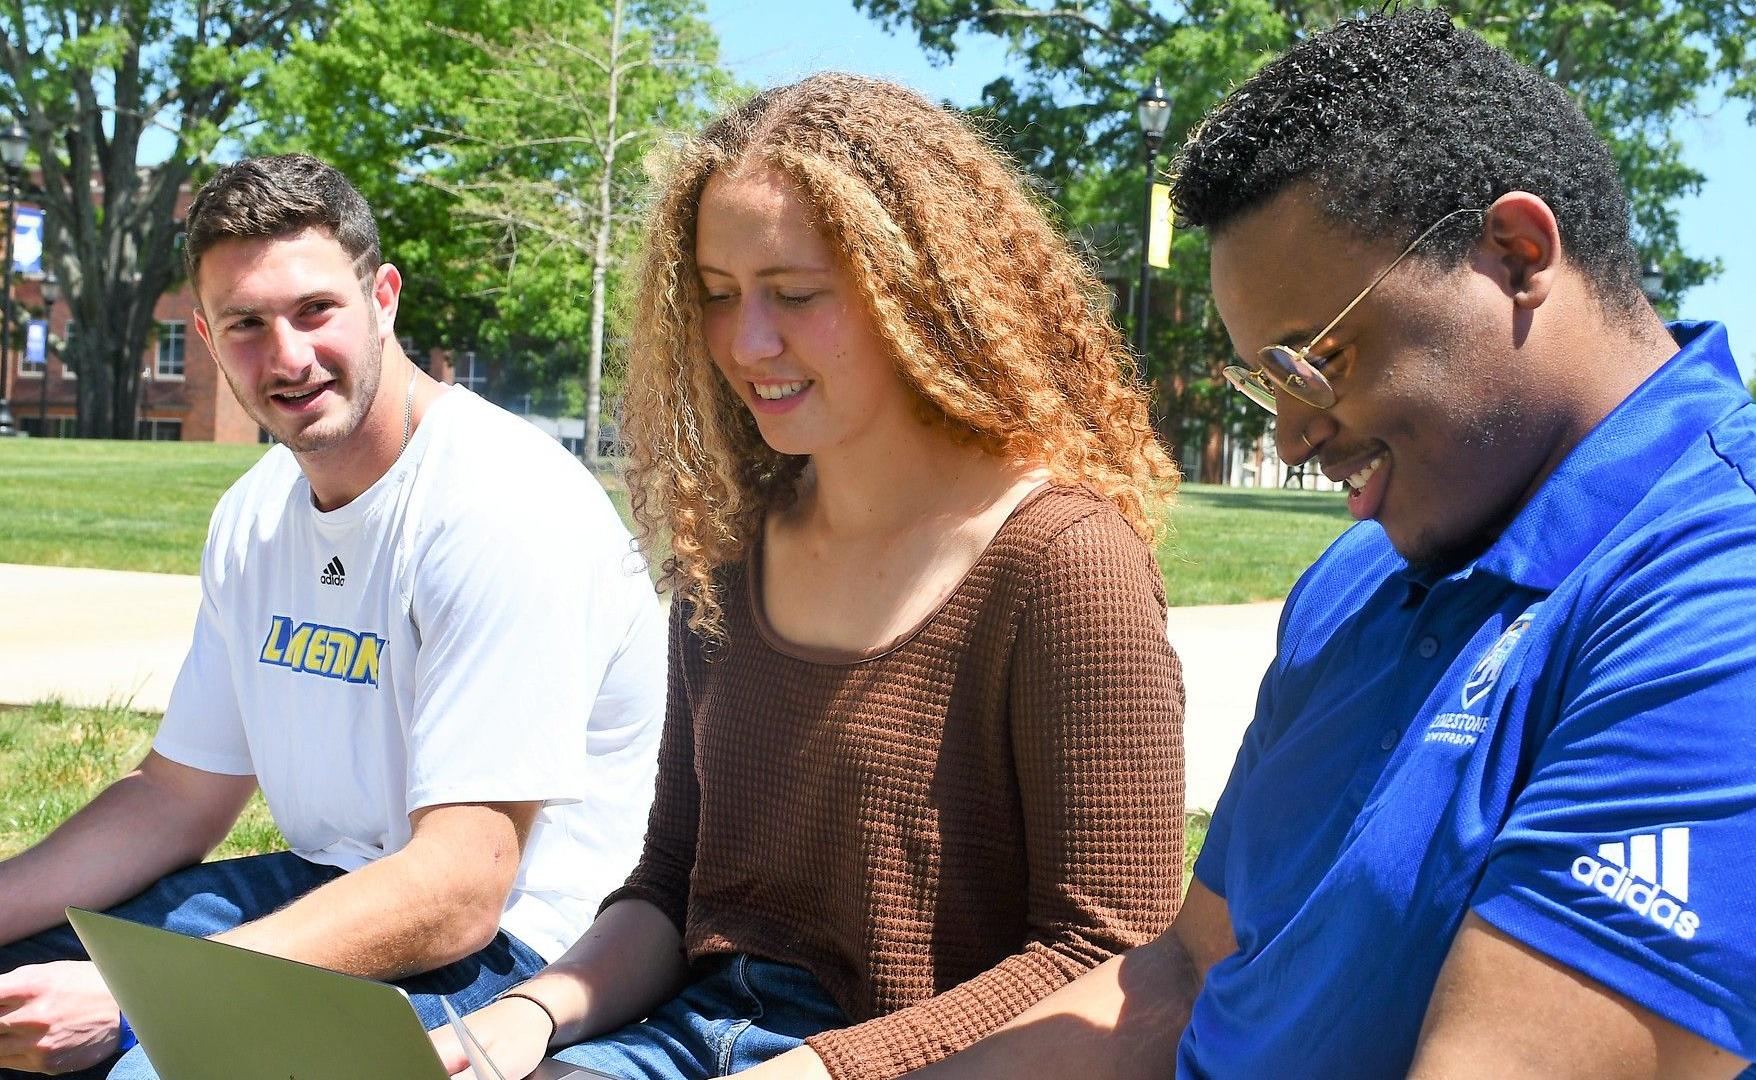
x=51, y=291
x=1652, y=281
x=1154, y=109
x=13, y=144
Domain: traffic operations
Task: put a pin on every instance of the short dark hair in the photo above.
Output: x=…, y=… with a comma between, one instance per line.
x=277, y=197
x=1397, y=119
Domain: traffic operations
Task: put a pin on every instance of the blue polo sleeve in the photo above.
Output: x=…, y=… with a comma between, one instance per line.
x=1210, y=865
x=1359, y=554
x=1628, y=856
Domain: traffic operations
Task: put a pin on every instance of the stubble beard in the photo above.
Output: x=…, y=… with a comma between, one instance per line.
x=361, y=379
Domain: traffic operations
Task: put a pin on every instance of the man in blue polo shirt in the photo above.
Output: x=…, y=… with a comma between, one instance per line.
x=1496, y=813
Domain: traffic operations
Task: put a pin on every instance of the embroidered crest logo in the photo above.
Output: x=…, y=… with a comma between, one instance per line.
x=1487, y=670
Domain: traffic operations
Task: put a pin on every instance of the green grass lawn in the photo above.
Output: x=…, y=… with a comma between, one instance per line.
x=1236, y=545
x=114, y=505
x=55, y=757
x=144, y=506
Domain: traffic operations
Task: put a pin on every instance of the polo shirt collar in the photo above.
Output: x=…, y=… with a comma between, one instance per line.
x=1618, y=461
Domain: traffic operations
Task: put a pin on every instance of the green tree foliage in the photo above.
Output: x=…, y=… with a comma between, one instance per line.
x=90, y=81
x=506, y=166
x=1636, y=67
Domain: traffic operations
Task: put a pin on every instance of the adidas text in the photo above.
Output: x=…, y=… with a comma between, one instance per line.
x=1640, y=897
x=333, y=574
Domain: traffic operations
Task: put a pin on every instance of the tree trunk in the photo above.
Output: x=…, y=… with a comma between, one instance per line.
x=110, y=225
x=1213, y=455
x=594, y=364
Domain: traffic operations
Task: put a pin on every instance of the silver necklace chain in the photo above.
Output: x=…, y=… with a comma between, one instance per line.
x=408, y=412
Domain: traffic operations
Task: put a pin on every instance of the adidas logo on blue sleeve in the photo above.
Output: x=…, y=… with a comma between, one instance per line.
x=1649, y=875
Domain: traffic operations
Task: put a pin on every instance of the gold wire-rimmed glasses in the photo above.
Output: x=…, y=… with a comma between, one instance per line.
x=1295, y=371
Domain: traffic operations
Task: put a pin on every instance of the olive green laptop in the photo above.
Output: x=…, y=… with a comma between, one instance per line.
x=209, y=1011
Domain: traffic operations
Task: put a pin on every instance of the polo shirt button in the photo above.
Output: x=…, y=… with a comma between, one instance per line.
x=1428, y=647
x=1388, y=742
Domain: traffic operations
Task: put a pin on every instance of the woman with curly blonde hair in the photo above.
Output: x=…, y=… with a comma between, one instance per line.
x=922, y=763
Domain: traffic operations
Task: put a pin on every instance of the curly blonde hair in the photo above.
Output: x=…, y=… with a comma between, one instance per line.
x=999, y=328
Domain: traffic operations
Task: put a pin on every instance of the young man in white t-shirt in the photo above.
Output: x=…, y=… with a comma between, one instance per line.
x=423, y=637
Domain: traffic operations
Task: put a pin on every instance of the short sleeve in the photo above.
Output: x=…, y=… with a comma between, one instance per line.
x=1210, y=864
x=203, y=726
x=1628, y=855
x=518, y=610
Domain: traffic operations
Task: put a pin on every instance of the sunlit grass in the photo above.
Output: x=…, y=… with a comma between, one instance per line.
x=145, y=506
x=55, y=757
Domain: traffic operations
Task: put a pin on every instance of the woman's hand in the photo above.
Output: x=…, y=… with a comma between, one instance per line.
x=513, y=1031
x=800, y=1063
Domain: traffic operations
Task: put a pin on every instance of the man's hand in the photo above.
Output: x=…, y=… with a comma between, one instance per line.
x=56, y=1018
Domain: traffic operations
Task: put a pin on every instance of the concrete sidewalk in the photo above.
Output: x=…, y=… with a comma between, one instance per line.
x=97, y=636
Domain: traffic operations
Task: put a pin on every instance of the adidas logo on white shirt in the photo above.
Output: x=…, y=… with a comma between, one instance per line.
x=333, y=574
x=1649, y=875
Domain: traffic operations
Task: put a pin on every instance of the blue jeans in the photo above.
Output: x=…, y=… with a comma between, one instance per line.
x=736, y=1013
x=215, y=897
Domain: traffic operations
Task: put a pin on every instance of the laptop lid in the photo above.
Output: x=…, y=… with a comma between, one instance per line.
x=208, y=1011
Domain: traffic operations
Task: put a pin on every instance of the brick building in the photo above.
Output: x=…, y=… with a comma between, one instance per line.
x=182, y=394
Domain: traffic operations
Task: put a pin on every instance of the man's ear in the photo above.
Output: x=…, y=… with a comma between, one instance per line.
x=1521, y=245
x=387, y=294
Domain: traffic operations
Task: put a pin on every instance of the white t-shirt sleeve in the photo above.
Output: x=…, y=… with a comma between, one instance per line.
x=203, y=726
x=509, y=660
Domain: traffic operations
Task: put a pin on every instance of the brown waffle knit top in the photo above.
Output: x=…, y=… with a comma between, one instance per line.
x=945, y=831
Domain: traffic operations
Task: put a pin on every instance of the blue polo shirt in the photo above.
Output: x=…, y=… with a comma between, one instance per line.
x=1560, y=737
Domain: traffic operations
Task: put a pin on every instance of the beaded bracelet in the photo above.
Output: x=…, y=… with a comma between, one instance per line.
x=554, y=1028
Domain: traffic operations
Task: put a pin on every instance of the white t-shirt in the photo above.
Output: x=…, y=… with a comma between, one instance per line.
x=475, y=627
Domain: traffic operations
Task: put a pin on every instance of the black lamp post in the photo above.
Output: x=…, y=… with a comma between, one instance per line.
x=51, y=290
x=1154, y=109
x=12, y=147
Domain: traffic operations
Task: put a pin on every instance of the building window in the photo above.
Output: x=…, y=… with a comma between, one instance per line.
x=32, y=369
x=57, y=427
x=471, y=373
x=170, y=357
x=159, y=431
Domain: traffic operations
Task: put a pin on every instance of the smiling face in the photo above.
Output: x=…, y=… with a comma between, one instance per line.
x=1440, y=427
x=785, y=324
x=298, y=340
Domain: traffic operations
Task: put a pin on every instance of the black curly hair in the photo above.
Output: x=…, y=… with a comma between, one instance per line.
x=1394, y=121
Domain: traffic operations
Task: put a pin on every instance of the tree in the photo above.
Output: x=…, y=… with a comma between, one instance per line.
x=551, y=156
x=1635, y=66
x=506, y=170
x=358, y=98
x=89, y=80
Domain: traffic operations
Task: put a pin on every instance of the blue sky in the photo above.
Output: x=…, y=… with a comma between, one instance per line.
x=773, y=41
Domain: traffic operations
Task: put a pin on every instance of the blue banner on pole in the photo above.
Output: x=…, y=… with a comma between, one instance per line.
x=36, y=344
x=27, y=241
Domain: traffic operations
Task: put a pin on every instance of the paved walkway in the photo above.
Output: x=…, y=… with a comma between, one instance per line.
x=96, y=636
